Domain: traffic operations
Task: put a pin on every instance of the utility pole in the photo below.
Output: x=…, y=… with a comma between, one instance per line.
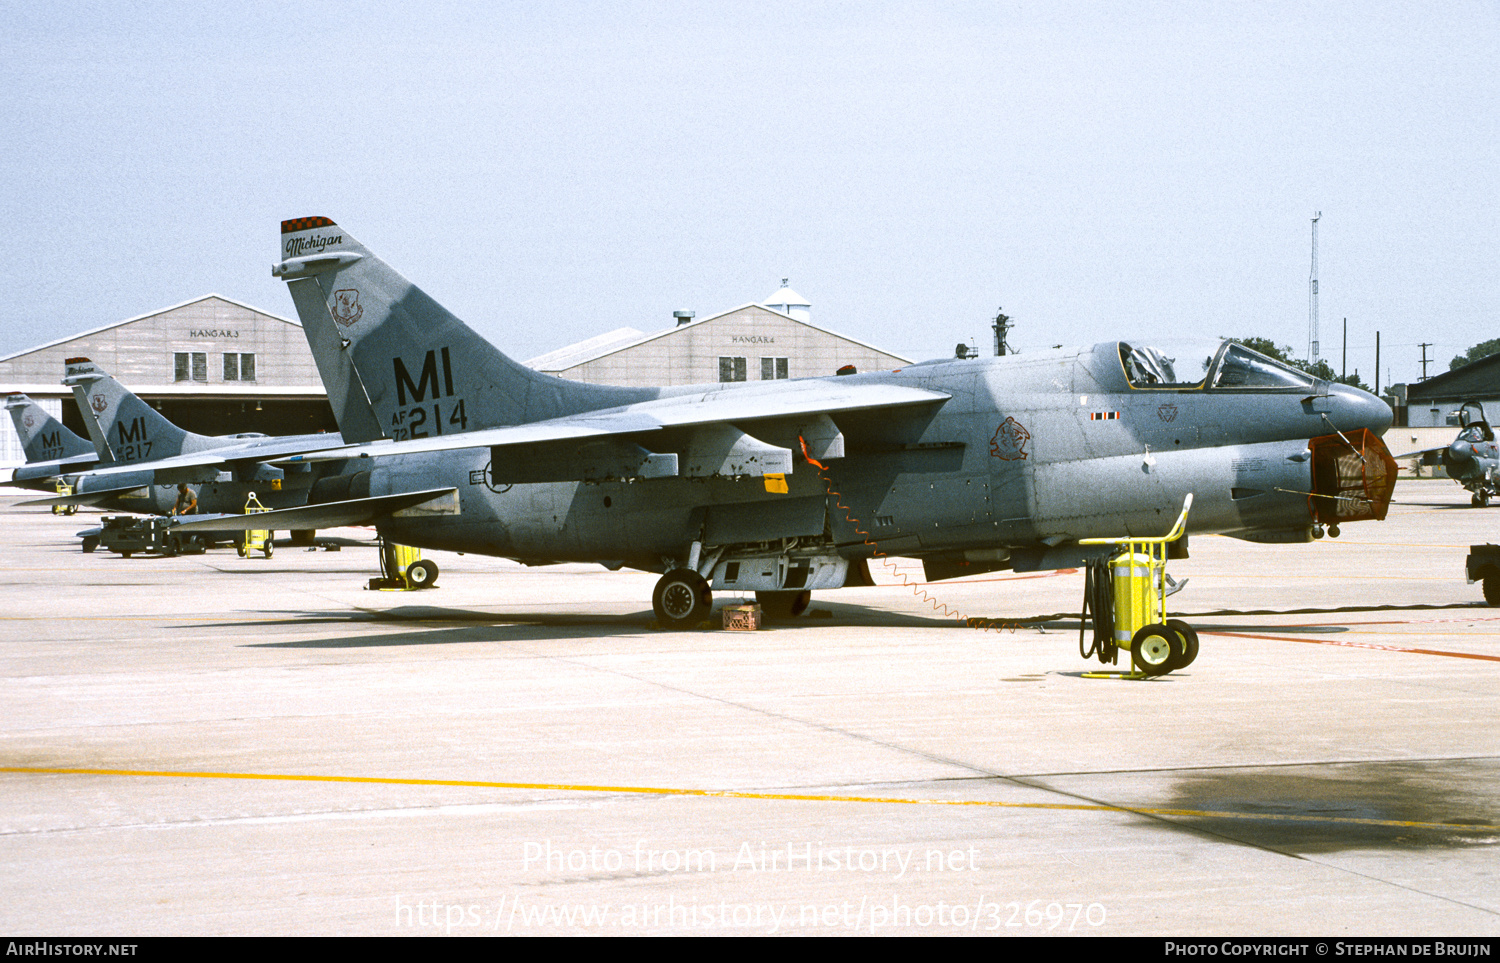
x=1377, y=364
x=1424, y=346
x=1344, y=366
x=1312, y=297
x=1002, y=327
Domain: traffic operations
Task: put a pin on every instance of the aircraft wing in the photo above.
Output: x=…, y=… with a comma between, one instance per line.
x=358, y=511
x=693, y=410
x=219, y=457
x=86, y=498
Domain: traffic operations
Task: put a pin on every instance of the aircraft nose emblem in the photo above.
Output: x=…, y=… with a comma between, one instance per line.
x=1009, y=443
x=1167, y=412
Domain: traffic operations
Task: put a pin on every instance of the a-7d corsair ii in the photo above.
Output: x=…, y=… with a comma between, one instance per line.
x=783, y=487
x=142, y=456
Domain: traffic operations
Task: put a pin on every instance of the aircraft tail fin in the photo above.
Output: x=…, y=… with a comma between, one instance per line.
x=124, y=428
x=43, y=437
x=398, y=365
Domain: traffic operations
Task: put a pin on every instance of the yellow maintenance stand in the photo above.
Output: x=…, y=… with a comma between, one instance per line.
x=1127, y=594
x=256, y=539
x=403, y=569
x=63, y=488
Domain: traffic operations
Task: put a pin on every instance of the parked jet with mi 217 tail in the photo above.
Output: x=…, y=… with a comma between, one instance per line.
x=785, y=487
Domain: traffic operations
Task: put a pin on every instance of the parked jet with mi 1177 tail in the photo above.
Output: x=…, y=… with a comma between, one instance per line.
x=139, y=457
x=784, y=487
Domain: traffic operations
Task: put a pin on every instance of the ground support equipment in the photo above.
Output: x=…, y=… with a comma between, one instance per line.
x=402, y=569
x=256, y=539
x=1127, y=596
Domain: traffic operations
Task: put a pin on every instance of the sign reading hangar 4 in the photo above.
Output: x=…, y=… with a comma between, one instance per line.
x=971, y=465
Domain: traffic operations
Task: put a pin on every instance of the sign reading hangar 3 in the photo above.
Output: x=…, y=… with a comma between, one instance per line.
x=971, y=465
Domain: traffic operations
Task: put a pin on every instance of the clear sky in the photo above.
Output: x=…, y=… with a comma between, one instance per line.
x=550, y=170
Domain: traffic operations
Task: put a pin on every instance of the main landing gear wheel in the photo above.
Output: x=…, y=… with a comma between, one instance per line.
x=1480, y=499
x=422, y=574
x=783, y=605
x=682, y=599
x=1155, y=649
x=1189, y=638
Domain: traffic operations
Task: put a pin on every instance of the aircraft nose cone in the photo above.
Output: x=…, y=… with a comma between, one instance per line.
x=1359, y=409
x=1460, y=451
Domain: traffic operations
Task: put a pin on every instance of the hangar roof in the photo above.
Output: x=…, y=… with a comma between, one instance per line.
x=1477, y=379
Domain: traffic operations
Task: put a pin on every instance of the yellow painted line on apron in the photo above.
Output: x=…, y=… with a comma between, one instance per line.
x=741, y=794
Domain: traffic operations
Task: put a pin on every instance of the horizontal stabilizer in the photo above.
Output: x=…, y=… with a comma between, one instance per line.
x=359, y=511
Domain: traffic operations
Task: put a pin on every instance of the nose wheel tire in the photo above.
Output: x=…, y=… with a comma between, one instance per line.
x=682, y=599
x=1156, y=650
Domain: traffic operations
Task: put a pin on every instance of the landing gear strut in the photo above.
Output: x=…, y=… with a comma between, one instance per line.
x=682, y=599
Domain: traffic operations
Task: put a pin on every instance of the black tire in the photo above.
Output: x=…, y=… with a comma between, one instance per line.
x=1154, y=649
x=422, y=574
x=783, y=605
x=1492, y=589
x=302, y=537
x=682, y=599
x=90, y=542
x=270, y=547
x=174, y=546
x=125, y=554
x=1479, y=499
x=1189, y=637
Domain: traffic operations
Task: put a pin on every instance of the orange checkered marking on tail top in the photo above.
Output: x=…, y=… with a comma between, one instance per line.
x=305, y=223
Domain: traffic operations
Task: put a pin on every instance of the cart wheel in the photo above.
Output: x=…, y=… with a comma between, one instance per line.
x=422, y=574
x=125, y=554
x=1189, y=638
x=270, y=547
x=90, y=542
x=1154, y=649
x=174, y=546
x=1492, y=589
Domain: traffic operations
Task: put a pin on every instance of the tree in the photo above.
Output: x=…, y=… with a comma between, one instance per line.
x=1283, y=353
x=1482, y=350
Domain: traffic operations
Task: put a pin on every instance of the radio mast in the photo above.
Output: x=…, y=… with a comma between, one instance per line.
x=1312, y=297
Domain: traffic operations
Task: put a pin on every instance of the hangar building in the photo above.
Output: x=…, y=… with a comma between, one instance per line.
x=211, y=365
x=1428, y=403
x=762, y=341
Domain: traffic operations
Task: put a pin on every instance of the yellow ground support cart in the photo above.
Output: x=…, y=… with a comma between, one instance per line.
x=256, y=539
x=63, y=488
x=402, y=568
x=1127, y=595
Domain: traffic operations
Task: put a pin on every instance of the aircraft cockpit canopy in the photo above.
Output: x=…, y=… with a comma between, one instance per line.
x=1199, y=364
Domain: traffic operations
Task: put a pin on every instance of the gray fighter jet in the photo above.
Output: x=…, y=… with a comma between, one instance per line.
x=142, y=456
x=52, y=451
x=784, y=487
x=1473, y=458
